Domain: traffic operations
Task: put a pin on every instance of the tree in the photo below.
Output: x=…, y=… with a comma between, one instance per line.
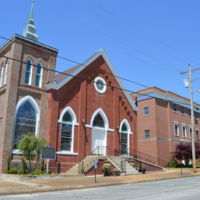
x=183, y=152
x=30, y=146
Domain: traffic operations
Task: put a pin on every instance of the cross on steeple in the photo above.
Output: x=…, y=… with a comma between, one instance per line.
x=30, y=29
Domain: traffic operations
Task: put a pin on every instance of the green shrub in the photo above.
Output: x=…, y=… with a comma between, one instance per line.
x=37, y=172
x=106, y=168
x=22, y=171
x=13, y=171
x=172, y=162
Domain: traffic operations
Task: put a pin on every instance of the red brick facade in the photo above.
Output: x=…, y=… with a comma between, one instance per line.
x=164, y=112
x=81, y=95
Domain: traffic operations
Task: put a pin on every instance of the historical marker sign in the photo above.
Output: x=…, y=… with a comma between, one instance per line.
x=48, y=153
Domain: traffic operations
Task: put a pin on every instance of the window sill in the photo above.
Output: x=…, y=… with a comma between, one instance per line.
x=67, y=153
x=146, y=115
x=18, y=152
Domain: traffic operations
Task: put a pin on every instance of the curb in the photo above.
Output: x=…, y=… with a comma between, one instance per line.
x=79, y=187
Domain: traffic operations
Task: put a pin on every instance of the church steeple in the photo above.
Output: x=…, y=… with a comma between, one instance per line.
x=30, y=29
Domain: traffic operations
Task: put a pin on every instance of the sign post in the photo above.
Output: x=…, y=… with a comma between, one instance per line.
x=48, y=153
x=95, y=170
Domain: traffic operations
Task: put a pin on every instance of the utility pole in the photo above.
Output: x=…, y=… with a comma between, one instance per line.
x=192, y=115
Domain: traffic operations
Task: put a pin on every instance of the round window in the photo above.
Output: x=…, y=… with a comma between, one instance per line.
x=100, y=85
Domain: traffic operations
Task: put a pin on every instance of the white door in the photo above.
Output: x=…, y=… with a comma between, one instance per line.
x=98, y=141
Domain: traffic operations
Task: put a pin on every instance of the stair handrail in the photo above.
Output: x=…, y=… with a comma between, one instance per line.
x=146, y=157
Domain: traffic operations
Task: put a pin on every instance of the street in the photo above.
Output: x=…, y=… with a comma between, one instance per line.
x=184, y=189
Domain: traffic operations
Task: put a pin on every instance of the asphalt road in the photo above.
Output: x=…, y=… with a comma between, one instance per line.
x=176, y=189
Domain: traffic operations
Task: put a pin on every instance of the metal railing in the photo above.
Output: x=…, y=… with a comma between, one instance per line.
x=128, y=154
x=146, y=157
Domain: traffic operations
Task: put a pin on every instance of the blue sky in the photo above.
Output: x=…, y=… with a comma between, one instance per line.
x=148, y=41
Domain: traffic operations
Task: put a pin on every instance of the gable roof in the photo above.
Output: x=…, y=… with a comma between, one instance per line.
x=62, y=80
x=59, y=77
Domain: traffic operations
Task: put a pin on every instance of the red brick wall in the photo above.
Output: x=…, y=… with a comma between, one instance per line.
x=161, y=124
x=82, y=97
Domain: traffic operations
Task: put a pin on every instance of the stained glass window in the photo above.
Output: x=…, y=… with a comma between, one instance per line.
x=25, y=121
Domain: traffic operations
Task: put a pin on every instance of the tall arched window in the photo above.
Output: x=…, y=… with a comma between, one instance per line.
x=28, y=73
x=67, y=120
x=38, y=76
x=26, y=119
x=124, y=136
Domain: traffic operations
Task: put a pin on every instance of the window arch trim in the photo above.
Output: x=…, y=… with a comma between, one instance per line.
x=104, y=117
x=71, y=111
x=41, y=74
x=125, y=121
x=37, y=111
x=73, y=123
x=31, y=71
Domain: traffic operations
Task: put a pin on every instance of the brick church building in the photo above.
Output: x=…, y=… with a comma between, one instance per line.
x=82, y=111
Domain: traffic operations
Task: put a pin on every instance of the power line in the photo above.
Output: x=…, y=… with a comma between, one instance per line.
x=78, y=77
x=76, y=62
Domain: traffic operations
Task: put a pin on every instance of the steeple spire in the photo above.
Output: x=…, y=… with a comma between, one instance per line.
x=30, y=29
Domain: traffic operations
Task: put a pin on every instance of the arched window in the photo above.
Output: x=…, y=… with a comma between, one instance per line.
x=38, y=76
x=28, y=73
x=26, y=119
x=124, y=136
x=98, y=121
x=67, y=120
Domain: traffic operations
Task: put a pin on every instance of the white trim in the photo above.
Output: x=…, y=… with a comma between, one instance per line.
x=17, y=151
x=66, y=153
x=71, y=111
x=73, y=123
x=2, y=74
x=99, y=53
x=128, y=126
x=31, y=72
x=103, y=115
x=37, y=111
x=104, y=85
x=128, y=132
x=41, y=74
x=176, y=123
x=5, y=74
x=32, y=101
x=184, y=125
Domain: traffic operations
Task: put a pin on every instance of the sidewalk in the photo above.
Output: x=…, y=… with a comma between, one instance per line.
x=12, y=187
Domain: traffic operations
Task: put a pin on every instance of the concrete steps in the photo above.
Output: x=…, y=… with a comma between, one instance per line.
x=83, y=166
x=120, y=163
